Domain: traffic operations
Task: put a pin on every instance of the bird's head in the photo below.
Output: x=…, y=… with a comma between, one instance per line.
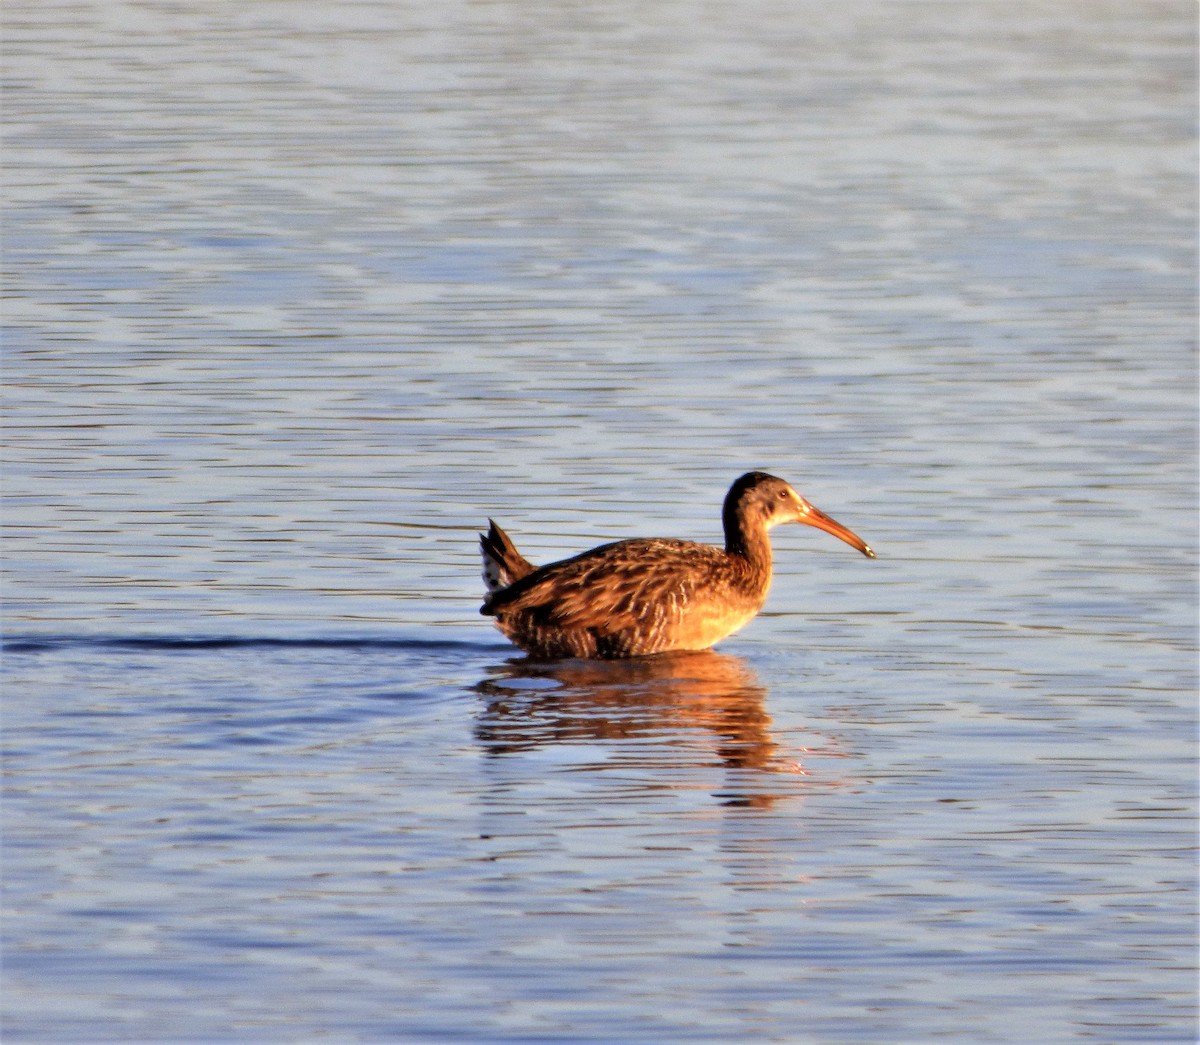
x=759, y=499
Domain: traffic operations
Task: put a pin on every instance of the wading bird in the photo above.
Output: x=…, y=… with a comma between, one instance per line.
x=652, y=594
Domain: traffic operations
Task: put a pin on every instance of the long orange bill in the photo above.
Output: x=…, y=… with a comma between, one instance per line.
x=816, y=517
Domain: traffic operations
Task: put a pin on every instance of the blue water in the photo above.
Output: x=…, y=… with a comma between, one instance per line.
x=299, y=297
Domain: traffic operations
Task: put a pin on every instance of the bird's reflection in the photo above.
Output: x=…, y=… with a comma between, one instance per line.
x=708, y=702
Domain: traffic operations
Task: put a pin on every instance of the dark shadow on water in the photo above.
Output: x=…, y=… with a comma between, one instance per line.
x=704, y=707
x=204, y=643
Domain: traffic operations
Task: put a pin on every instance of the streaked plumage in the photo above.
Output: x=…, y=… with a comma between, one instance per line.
x=648, y=595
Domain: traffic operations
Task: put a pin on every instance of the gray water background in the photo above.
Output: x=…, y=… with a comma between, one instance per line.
x=297, y=295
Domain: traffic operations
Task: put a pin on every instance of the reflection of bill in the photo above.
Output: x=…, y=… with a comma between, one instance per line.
x=653, y=709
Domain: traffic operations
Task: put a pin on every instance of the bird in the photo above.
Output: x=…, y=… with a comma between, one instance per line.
x=648, y=595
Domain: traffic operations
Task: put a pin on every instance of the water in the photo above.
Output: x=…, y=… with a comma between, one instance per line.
x=298, y=295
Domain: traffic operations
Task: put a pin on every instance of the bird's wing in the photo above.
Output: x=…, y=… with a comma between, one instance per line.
x=601, y=585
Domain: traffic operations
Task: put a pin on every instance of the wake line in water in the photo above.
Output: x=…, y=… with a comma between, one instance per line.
x=167, y=643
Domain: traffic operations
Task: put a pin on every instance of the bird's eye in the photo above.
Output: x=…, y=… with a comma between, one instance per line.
x=783, y=495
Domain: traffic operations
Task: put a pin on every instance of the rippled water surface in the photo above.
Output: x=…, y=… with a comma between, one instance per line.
x=299, y=294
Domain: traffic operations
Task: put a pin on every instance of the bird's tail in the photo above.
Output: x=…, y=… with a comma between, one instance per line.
x=502, y=563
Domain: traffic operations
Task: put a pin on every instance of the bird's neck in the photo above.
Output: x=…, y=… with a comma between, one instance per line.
x=748, y=540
